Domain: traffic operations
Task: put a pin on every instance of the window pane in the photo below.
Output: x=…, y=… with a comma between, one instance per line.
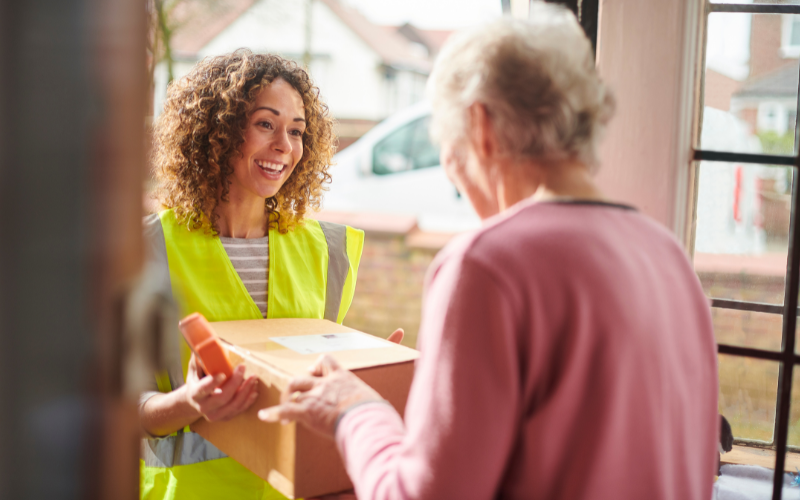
x=794, y=415
x=741, y=232
x=747, y=329
x=408, y=148
x=794, y=31
x=748, y=389
x=424, y=153
x=393, y=154
x=751, y=80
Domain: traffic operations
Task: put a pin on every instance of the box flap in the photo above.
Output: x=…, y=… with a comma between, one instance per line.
x=353, y=350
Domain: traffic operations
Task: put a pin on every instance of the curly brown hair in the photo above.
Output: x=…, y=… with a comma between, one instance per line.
x=202, y=128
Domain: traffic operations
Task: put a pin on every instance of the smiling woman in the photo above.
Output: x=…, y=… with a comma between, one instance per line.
x=241, y=152
x=230, y=109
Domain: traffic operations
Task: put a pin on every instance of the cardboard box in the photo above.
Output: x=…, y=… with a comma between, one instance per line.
x=294, y=460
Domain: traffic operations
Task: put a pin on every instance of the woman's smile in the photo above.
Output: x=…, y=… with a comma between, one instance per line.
x=271, y=170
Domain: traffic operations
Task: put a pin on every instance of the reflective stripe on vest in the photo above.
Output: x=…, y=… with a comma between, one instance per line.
x=338, y=265
x=312, y=274
x=182, y=449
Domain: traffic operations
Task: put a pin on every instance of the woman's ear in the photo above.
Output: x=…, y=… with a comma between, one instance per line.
x=482, y=137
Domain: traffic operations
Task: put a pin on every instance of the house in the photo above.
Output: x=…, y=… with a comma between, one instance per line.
x=769, y=102
x=365, y=71
x=719, y=89
x=767, y=99
x=430, y=40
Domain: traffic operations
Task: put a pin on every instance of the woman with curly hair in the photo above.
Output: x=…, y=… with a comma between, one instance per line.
x=241, y=152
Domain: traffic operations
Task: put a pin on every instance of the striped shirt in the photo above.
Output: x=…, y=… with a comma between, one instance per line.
x=250, y=258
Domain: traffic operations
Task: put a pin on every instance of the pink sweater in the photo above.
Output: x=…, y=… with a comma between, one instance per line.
x=566, y=353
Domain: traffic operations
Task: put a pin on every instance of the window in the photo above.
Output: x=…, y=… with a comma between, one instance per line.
x=407, y=148
x=773, y=117
x=790, y=36
x=747, y=235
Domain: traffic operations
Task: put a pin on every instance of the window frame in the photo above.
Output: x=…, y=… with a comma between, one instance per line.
x=789, y=311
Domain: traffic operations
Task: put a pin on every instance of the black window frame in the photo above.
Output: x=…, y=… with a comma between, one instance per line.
x=587, y=12
x=789, y=311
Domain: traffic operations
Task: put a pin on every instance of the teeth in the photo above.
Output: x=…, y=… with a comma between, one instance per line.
x=267, y=165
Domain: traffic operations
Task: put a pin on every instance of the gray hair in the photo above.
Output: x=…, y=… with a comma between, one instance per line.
x=537, y=80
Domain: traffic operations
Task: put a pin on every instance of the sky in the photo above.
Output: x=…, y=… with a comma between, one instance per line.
x=728, y=49
x=429, y=14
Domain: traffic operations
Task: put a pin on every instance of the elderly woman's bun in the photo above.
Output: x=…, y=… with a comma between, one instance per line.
x=537, y=79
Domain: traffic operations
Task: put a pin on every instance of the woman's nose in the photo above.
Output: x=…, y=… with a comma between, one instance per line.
x=282, y=142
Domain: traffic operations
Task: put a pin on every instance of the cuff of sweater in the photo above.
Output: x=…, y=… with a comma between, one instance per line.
x=350, y=419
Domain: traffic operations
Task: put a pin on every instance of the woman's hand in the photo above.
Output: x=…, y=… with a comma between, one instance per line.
x=201, y=396
x=318, y=400
x=216, y=398
x=396, y=336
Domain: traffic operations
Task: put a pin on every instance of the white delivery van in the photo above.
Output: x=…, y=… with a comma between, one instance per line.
x=394, y=169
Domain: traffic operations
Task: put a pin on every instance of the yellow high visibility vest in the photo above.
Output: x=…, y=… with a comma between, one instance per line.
x=312, y=274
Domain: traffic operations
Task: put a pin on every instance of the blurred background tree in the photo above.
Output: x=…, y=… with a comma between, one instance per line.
x=162, y=23
x=165, y=18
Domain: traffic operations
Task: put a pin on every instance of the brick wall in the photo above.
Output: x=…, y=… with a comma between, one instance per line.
x=719, y=89
x=389, y=288
x=391, y=275
x=765, y=44
x=349, y=131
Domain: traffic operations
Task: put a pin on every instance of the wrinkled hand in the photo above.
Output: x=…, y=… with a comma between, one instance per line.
x=317, y=401
x=215, y=398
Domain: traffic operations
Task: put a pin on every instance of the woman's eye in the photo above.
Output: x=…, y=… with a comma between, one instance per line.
x=265, y=124
x=298, y=133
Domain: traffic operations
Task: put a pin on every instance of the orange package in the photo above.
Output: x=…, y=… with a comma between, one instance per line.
x=204, y=342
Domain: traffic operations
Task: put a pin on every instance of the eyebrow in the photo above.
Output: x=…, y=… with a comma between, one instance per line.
x=278, y=113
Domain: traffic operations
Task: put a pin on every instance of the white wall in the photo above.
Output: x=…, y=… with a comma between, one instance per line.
x=345, y=68
x=648, y=52
x=179, y=69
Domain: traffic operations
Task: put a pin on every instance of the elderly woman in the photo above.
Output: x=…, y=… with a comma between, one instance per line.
x=241, y=153
x=566, y=347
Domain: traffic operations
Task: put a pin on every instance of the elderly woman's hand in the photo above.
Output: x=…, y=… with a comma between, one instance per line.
x=318, y=400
